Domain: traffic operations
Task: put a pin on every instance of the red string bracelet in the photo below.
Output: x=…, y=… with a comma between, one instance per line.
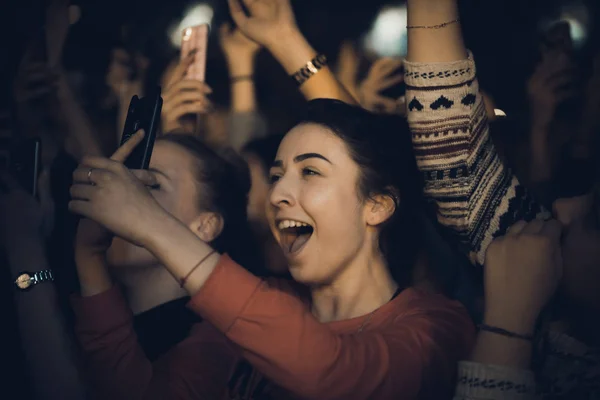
x=185, y=278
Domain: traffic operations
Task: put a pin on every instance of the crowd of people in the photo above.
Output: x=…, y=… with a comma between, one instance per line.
x=419, y=247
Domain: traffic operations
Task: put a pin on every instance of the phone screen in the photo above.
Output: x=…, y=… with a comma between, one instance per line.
x=195, y=38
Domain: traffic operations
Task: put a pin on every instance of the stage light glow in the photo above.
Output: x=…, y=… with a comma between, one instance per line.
x=197, y=14
x=387, y=37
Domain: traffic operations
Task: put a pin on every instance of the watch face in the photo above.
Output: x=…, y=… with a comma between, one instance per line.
x=23, y=281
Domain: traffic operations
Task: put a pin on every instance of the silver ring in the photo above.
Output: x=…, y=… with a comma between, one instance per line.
x=89, y=176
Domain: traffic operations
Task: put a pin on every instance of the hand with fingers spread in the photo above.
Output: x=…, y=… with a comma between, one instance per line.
x=105, y=191
x=522, y=271
x=382, y=75
x=267, y=21
x=183, y=97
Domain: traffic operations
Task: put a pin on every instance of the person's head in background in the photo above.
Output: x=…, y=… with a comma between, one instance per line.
x=345, y=199
x=259, y=154
x=207, y=192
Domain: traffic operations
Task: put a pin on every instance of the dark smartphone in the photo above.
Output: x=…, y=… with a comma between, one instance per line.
x=24, y=163
x=398, y=90
x=143, y=114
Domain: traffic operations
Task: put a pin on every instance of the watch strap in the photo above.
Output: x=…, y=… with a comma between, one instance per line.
x=311, y=68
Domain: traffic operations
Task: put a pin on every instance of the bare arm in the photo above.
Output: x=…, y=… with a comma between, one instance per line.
x=81, y=140
x=434, y=45
x=47, y=343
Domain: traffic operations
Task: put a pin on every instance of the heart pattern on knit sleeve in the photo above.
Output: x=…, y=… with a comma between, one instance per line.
x=415, y=105
x=469, y=99
x=441, y=102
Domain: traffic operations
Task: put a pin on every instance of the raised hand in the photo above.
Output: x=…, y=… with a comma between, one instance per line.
x=105, y=191
x=183, y=97
x=236, y=46
x=267, y=22
x=522, y=272
x=379, y=78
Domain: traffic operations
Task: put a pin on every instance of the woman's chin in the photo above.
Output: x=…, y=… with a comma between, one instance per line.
x=122, y=254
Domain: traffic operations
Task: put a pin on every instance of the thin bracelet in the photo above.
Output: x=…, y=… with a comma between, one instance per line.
x=240, y=78
x=454, y=21
x=504, y=332
x=185, y=278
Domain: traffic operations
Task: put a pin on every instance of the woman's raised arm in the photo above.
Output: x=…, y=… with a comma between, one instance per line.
x=476, y=196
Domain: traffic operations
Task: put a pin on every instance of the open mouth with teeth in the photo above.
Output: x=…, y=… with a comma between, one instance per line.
x=294, y=235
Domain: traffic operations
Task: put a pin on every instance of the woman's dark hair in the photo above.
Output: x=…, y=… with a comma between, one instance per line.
x=225, y=183
x=381, y=146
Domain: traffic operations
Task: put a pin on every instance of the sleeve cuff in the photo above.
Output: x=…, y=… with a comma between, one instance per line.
x=225, y=294
x=101, y=312
x=419, y=74
x=484, y=381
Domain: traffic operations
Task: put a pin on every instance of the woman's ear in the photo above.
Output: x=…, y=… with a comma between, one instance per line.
x=207, y=226
x=379, y=209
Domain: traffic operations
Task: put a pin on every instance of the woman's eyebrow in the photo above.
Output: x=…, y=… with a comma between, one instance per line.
x=302, y=157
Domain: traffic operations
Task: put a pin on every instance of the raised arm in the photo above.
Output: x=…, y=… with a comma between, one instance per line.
x=272, y=24
x=476, y=196
x=245, y=120
x=48, y=346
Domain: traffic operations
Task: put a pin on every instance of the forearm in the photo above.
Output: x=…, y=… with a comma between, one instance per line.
x=293, y=52
x=80, y=130
x=241, y=78
x=434, y=45
x=92, y=273
x=180, y=250
x=47, y=343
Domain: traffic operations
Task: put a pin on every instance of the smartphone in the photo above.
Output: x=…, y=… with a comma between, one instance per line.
x=143, y=114
x=25, y=163
x=195, y=38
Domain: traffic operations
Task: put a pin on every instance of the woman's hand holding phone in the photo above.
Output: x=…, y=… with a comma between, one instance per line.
x=183, y=97
x=105, y=191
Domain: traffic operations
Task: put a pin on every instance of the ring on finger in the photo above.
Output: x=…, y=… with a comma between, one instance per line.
x=89, y=176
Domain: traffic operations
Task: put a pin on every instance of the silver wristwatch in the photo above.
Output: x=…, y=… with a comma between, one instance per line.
x=26, y=280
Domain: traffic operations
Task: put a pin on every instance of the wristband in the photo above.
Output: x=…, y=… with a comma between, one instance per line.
x=311, y=68
x=504, y=332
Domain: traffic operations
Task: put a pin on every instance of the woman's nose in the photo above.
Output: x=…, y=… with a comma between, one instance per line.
x=282, y=193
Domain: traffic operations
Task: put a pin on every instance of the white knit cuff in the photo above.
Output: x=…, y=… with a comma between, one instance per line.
x=493, y=382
